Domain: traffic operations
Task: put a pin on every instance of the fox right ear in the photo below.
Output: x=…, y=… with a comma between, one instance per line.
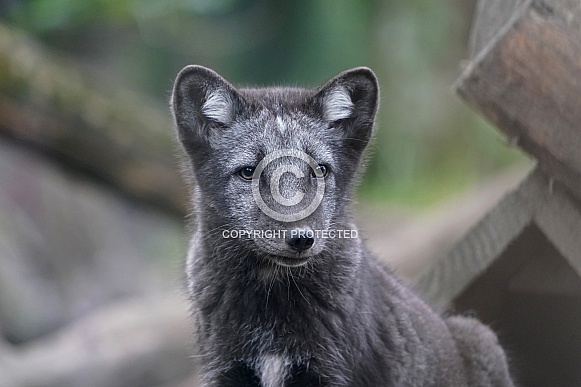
x=348, y=102
x=202, y=101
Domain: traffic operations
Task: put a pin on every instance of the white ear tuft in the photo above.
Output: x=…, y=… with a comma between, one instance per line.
x=337, y=104
x=218, y=107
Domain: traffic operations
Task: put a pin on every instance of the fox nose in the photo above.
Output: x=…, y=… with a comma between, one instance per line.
x=300, y=239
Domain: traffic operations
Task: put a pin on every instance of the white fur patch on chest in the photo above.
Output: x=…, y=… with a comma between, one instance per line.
x=273, y=370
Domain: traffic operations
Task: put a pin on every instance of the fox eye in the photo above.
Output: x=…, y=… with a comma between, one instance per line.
x=321, y=171
x=246, y=173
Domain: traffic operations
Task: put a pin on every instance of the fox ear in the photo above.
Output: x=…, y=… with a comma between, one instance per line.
x=202, y=101
x=349, y=102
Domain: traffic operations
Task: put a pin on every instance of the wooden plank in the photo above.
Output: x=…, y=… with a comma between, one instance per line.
x=539, y=202
x=489, y=18
x=527, y=81
x=481, y=246
x=560, y=221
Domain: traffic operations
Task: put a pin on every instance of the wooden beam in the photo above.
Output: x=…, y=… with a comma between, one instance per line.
x=538, y=202
x=479, y=248
x=527, y=81
x=489, y=18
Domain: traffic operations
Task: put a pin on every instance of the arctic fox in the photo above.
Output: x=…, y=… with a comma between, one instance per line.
x=283, y=290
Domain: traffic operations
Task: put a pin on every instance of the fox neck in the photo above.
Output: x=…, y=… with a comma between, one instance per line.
x=276, y=299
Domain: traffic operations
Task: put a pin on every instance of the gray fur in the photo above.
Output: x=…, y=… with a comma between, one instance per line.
x=327, y=316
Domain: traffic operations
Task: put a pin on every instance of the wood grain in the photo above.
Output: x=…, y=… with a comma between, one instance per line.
x=527, y=81
x=538, y=202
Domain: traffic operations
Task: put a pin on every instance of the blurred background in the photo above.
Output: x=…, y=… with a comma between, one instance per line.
x=92, y=207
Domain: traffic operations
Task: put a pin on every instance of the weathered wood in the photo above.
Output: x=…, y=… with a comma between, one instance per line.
x=530, y=291
x=527, y=81
x=531, y=295
x=433, y=232
x=519, y=269
x=451, y=274
x=538, y=201
x=489, y=18
x=116, y=137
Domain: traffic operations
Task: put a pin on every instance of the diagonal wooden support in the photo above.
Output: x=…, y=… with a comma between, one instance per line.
x=538, y=202
x=527, y=80
x=519, y=268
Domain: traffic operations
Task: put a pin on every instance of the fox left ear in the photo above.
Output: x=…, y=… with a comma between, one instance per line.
x=203, y=103
x=349, y=102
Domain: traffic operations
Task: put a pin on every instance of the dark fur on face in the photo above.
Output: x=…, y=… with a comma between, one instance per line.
x=272, y=312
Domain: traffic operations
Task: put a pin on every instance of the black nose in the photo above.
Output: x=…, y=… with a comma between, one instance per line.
x=300, y=240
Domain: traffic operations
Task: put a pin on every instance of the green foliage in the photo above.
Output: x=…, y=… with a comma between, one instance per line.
x=428, y=144
x=39, y=16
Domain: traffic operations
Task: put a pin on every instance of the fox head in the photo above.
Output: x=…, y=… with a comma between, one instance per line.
x=274, y=167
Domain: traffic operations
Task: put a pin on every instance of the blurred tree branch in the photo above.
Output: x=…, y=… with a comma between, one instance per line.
x=117, y=138
x=135, y=342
